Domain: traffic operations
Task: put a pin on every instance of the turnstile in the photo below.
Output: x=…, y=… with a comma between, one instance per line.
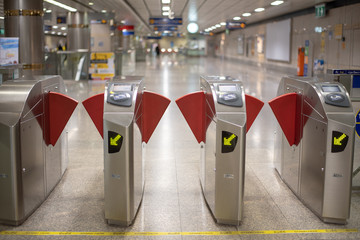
x=314, y=156
x=126, y=117
x=219, y=116
x=33, y=146
x=351, y=81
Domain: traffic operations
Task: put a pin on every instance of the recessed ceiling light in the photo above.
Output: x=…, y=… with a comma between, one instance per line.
x=246, y=14
x=55, y=27
x=165, y=13
x=63, y=28
x=103, y=11
x=165, y=1
x=192, y=27
x=91, y=3
x=223, y=23
x=236, y=18
x=46, y=32
x=53, y=32
x=165, y=8
x=48, y=11
x=278, y=2
x=59, y=33
x=259, y=9
x=217, y=25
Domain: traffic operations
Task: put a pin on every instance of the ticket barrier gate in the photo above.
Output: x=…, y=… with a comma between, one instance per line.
x=33, y=146
x=315, y=153
x=351, y=81
x=126, y=116
x=219, y=116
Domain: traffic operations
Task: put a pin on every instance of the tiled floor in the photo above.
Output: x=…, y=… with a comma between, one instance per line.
x=173, y=201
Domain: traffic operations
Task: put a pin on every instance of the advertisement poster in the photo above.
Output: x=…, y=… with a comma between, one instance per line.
x=102, y=66
x=9, y=51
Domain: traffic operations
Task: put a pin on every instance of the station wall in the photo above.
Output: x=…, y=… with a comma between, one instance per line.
x=337, y=50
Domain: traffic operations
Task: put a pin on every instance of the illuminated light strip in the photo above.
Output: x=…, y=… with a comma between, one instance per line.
x=71, y=9
x=265, y=232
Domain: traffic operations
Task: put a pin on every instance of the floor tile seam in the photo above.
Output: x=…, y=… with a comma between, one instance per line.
x=178, y=195
x=277, y=206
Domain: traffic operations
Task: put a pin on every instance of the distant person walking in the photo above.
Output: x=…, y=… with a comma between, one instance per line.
x=157, y=50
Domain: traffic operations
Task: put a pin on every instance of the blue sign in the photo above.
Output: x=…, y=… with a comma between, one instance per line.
x=154, y=37
x=61, y=20
x=356, y=81
x=165, y=21
x=127, y=32
x=340, y=71
x=357, y=127
x=235, y=25
x=47, y=27
x=165, y=28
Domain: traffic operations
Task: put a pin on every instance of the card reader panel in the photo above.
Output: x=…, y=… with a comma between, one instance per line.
x=229, y=94
x=120, y=94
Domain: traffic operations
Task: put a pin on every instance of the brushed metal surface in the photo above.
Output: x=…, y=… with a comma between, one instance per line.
x=117, y=170
x=338, y=171
x=29, y=168
x=230, y=173
x=124, y=170
x=324, y=177
x=313, y=164
x=78, y=35
x=222, y=174
x=210, y=166
x=32, y=164
x=29, y=30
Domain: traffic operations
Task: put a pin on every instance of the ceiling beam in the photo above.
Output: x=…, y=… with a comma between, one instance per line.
x=136, y=14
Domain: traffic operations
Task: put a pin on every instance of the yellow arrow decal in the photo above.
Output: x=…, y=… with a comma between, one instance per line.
x=337, y=141
x=227, y=141
x=113, y=141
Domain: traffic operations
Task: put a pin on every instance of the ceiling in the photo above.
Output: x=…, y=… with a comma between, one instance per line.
x=205, y=12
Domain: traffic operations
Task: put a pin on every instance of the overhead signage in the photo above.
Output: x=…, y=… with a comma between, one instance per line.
x=235, y=25
x=229, y=141
x=165, y=21
x=165, y=28
x=340, y=71
x=167, y=34
x=127, y=30
x=339, y=141
x=357, y=127
x=154, y=37
x=61, y=20
x=47, y=28
x=320, y=10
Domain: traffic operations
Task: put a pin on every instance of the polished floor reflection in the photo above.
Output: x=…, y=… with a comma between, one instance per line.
x=173, y=200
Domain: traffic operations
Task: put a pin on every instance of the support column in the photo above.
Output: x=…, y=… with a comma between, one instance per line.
x=24, y=19
x=78, y=36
